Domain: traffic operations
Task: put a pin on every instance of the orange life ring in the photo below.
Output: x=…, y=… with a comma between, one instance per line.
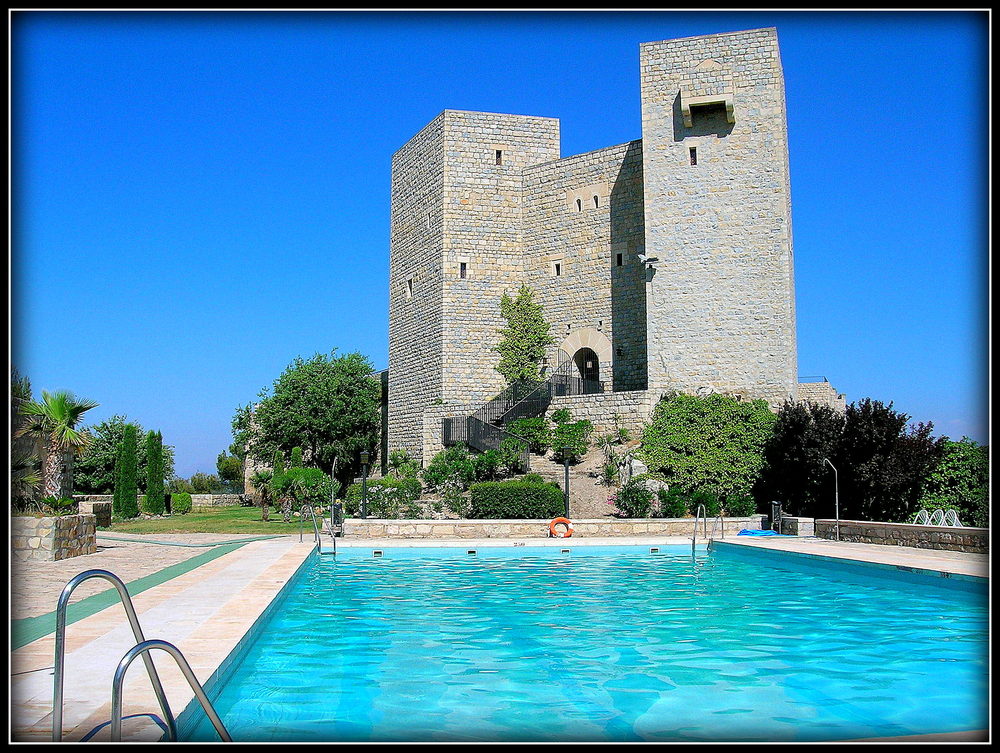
x=566, y=522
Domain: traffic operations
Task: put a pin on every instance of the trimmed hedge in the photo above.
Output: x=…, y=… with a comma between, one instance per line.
x=180, y=503
x=516, y=499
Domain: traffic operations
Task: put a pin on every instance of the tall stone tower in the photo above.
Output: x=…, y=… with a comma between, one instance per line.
x=720, y=299
x=456, y=246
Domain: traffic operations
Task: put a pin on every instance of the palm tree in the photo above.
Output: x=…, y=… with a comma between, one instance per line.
x=261, y=481
x=55, y=419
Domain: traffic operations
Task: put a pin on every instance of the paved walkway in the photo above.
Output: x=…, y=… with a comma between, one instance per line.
x=35, y=586
x=204, y=612
x=939, y=560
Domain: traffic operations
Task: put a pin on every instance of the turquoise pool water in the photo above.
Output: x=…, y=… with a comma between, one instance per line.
x=606, y=644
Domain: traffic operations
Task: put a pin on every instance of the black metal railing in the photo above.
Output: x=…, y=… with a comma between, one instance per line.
x=483, y=430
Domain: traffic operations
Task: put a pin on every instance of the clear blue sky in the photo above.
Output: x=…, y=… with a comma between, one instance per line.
x=200, y=197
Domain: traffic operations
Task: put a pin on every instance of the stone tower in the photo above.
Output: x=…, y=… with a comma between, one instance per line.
x=720, y=306
x=661, y=264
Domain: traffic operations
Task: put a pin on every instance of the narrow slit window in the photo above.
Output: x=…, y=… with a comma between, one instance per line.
x=618, y=260
x=428, y=221
x=463, y=270
x=596, y=202
x=579, y=205
x=558, y=269
x=499, y=156
x=409, y=289
x=693, y=151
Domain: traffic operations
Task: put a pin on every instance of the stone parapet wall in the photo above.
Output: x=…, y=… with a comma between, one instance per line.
x=634, y=407
x=798, y=526
x=494, y=529
x=958, y=539
x=219, y=500
x=53, y=538
x=821, y=393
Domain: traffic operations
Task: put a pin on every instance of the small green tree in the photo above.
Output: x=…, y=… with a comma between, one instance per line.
x=962, y=479
x=524, y=339
x=125, y=503
x=155, y=492
x=296, y=461
x=261, y=481
x=278, y=463
x=230, y=469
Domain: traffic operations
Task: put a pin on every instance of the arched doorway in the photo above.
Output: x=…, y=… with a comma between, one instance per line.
x=588, y=368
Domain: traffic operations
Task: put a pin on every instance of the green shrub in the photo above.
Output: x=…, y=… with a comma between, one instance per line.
x=707, y=498
x=740, y=506
x=535, y=430
x=305, y=486
x=570, y=440
x=387, y=498
x=59, y=506
x=512, y=455
x=401, y=465
x=673, y=502
x=180, y=503
x=634, y=500
x=488, y=465
x=296, y=460
x=454, y=464
x=561, y=416
x=515, y=499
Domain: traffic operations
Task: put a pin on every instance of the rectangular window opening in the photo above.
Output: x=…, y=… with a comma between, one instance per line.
x=462, y=270
x=694, y=155
x=499, y=156
x=558, y=269
x=619, y=258
x=409, y=288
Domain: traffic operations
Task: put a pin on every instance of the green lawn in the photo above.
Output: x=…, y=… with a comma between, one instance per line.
x=234, y=519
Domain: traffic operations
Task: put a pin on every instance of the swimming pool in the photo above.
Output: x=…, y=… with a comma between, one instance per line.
x=604, y=644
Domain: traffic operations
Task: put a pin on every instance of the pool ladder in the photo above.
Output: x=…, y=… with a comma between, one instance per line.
x=700, y=514
x=302, y=521
x=142, y=647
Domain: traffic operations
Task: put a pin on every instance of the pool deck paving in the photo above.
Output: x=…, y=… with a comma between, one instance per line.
x=206, y=610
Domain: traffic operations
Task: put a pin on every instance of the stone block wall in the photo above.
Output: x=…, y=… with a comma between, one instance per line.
x=634, y=408
x=53, y=538
x=959, y=539
x=720, y=300
x=821, y=393
x=356, y=528
x=584, y=213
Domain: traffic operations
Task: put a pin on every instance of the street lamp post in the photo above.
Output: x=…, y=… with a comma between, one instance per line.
x=836, y=495
x=364, y=483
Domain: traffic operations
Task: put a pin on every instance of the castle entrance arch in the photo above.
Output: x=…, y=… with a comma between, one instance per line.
x=590, y=351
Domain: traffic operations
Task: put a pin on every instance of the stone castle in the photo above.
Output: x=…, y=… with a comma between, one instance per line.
x=662, y=264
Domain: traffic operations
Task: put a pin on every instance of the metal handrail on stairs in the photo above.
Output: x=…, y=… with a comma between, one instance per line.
x=60, y=651
x=144, y=648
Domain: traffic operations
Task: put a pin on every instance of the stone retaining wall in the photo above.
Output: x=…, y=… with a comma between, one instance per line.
x=218, y=500
x=798, y=526
x=490, y=529
x=633, y=407
x=53, y=538
x=959, y=539
x=88, y=502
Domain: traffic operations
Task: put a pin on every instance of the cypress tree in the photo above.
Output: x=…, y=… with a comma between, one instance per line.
x=278, y=466
x=296, y=457
x=125, y=503
x=154, y=473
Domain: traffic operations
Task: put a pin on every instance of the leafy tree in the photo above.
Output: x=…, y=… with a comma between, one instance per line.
x=206, y=483
x=328, y=405
x=125, y=503
x=25, y=475
x=711, y=444
x=524, y=339
x=155, y=492
x=794, y=472
x=56, y=419
x=882, y=463
x=95, y=469
x=305, y=486
x=962, y=479
x=230, y=469
x=180, y=486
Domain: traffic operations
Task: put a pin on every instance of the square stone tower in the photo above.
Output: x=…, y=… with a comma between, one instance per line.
x=456, y=246
x=720, y=299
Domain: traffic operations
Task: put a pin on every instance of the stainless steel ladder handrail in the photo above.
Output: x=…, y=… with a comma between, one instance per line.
x=302, y=519
x=722, y=529
x=699, y=514
x=144, y=647
x=60, y=651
